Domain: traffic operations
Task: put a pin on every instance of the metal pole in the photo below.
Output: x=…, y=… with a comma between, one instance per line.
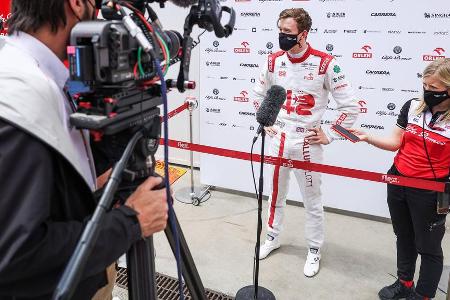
x=192, y=195
x=191, y=153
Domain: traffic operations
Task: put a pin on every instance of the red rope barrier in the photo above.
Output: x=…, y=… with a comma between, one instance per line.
x=176, y=111
x=327, y=169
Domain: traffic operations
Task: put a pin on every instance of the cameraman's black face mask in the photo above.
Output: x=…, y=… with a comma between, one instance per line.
x=287, y=41
x=432, y=98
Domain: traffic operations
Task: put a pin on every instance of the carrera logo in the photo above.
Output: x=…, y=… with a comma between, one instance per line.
x=371, y=126
x=250, y=14
x=365, y=54
x=378, y=72
x=437, y=54
x=383, y=14
x=243, y=97
x=243, y=49
x=247, y=113
x=249, y=65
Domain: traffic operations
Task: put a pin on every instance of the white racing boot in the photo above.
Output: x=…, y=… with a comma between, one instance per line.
x=312, y=263
x=271, y=243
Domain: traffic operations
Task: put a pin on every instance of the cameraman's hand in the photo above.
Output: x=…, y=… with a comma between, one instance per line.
x=151, y=206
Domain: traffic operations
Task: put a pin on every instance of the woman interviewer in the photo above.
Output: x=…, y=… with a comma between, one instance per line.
x=422, y=138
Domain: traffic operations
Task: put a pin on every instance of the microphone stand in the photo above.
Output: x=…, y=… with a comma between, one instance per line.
x=255, y=292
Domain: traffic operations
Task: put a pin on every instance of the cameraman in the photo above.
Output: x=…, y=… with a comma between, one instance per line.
x=47, y=176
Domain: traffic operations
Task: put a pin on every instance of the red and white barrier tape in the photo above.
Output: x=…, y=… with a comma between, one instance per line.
x=176, y=111
x=333, y=170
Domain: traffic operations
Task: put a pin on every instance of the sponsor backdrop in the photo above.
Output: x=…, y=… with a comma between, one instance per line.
x=383, y=47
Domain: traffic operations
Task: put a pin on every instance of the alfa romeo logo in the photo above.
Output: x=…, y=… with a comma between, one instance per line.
x=215, y=91
x=330, y=47
x=216, y=44
x=269, y=45
x=398, y=50
x=391, y=106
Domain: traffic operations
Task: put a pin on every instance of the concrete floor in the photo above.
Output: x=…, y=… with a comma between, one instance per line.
x=358, y=257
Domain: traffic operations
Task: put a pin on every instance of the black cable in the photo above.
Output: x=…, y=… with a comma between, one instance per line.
x=253, y=171
x=256, y=194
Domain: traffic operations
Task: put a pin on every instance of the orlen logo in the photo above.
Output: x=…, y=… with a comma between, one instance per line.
x=365, y=54
x=243, y=49
x=182, y=145
x=390, y=179
x=362, y=106
x=243, y=97
x=432, y=57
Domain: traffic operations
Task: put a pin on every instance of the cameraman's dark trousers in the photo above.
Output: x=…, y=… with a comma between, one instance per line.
x=419, y=230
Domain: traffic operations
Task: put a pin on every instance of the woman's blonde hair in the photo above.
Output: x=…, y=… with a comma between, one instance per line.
x=441, y=68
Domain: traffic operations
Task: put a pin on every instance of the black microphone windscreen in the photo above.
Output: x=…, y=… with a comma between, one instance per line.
x=271, y=105
x=184, y=3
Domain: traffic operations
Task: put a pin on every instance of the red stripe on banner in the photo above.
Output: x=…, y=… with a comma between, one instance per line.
x=333, y=170
x=276, y=177
x=176, y=111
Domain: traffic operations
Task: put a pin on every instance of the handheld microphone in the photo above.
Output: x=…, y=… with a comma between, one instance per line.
x=270, y=108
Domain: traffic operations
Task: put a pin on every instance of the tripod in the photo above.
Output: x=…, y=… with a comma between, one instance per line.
x=140, y=257
x=255, y=292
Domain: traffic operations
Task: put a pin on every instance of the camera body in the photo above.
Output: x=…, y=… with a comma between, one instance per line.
x=104, y=53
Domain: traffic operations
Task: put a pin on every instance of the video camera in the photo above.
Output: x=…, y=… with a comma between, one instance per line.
x=118, y=58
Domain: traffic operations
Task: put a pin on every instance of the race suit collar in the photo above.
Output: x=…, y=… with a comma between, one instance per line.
x=301, y=59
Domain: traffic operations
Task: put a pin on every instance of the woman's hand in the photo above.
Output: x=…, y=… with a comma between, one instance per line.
x=364, y=137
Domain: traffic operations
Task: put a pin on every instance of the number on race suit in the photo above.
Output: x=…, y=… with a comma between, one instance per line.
x=300, y=104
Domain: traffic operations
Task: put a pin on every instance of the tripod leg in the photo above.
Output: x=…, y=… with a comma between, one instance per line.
x=141, y=270
x=190, y=273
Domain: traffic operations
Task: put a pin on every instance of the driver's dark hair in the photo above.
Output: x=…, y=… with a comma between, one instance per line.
x=30, y=15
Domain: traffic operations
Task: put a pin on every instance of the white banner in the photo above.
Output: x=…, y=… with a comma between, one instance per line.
x=383, y=46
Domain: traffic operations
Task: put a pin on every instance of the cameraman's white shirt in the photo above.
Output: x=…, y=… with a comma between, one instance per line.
x=32, y=80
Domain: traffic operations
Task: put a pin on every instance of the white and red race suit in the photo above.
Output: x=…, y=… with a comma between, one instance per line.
x=308, y=80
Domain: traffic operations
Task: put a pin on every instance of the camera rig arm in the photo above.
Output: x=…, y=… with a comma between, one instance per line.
x=207, y=14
